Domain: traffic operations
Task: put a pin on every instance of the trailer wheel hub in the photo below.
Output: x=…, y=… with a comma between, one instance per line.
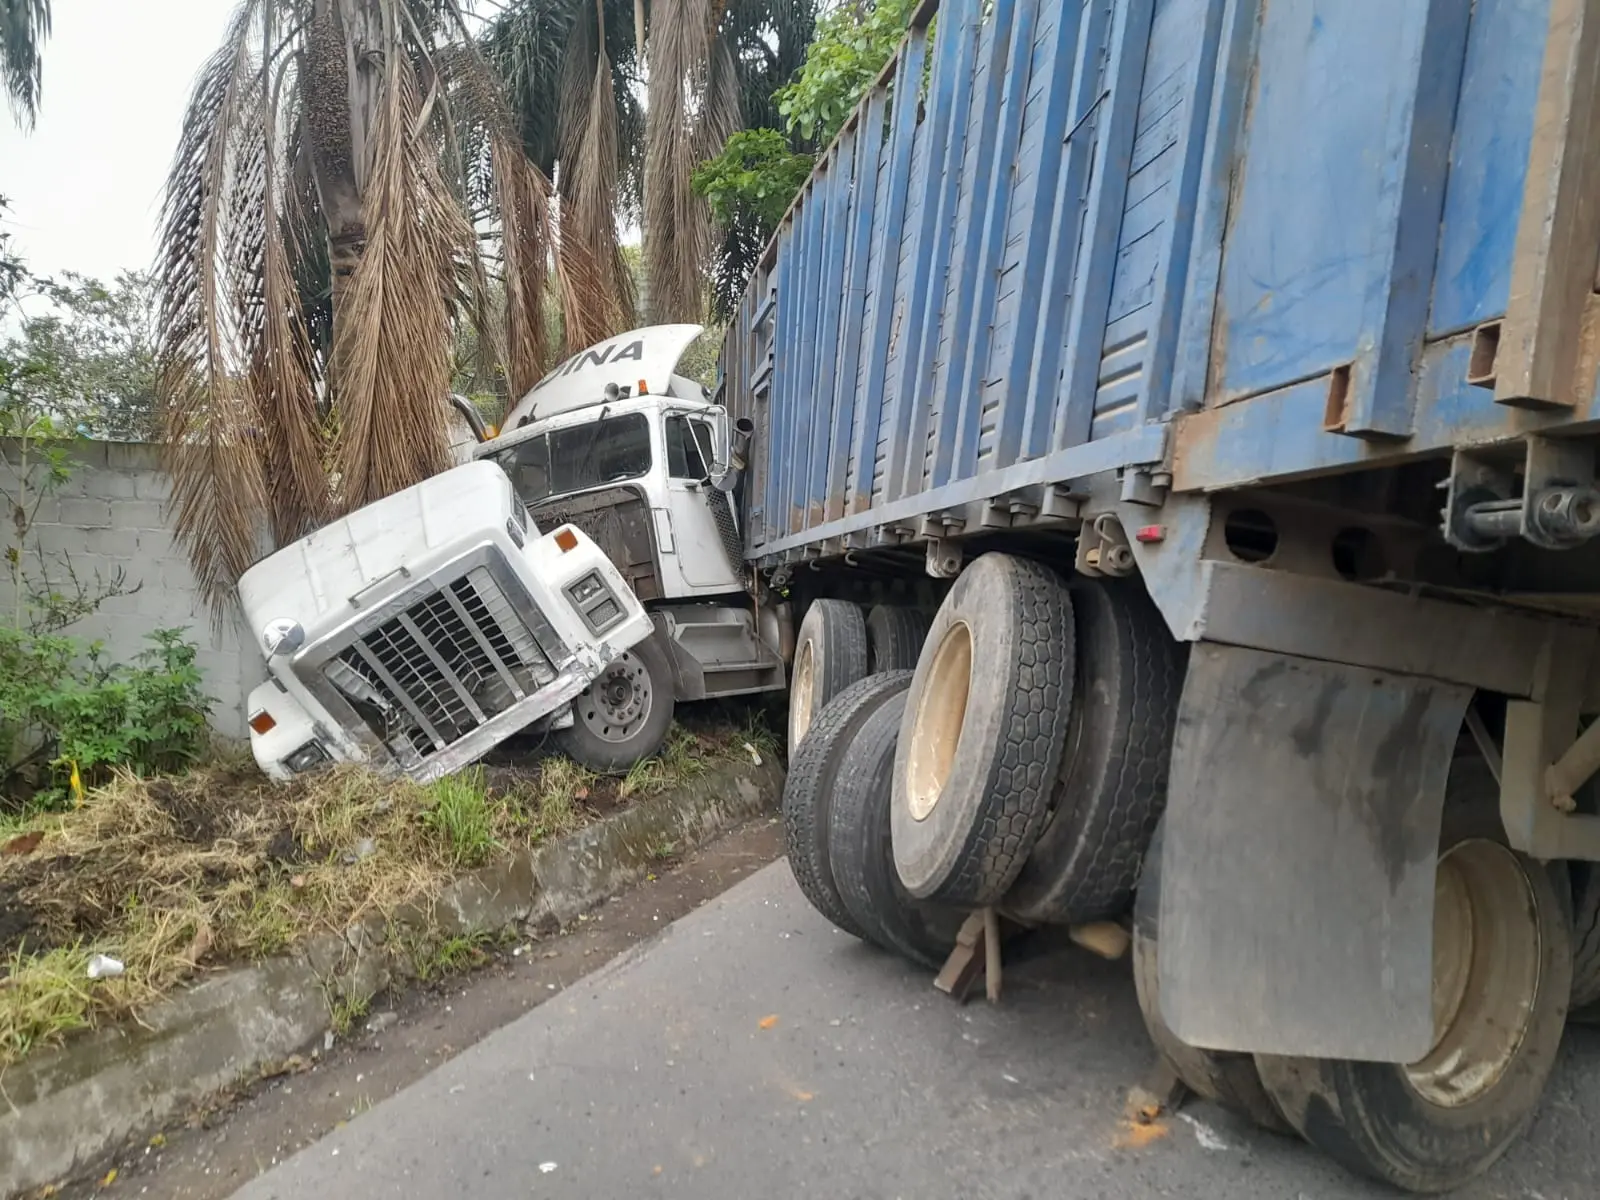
x=805, y=682
x=937, y=730
x=1486, y=955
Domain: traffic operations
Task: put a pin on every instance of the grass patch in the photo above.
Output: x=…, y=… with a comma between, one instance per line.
x=45, y=998
x=683, y=757
x=454, y=956
x=172, y=875
x=346, y=1012
x=461, y=816
x=759, y=736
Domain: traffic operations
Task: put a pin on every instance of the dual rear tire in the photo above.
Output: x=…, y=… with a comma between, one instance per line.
x=836, y=823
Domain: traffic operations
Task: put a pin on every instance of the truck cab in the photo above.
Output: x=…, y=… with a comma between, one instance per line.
x=618, y=444
x=419, y=631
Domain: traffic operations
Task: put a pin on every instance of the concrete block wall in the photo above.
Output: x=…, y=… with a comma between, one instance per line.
x=113, y=514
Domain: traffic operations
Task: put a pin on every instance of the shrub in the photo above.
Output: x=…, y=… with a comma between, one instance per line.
x=65, y=709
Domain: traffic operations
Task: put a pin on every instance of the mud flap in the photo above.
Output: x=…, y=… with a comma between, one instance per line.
x=1301, y=842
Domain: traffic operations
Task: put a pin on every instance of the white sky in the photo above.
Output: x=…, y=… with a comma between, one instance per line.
x=85, y=186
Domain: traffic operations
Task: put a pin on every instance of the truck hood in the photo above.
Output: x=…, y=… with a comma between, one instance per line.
x=312, y=580
x=650, y=354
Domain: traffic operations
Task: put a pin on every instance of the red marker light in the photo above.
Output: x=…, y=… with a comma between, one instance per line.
x=1151, y=533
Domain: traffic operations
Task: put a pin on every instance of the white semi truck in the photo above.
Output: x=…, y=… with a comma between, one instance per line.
x=583, y=573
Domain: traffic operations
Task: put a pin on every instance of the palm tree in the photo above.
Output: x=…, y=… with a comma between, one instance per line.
x=575, y=77
x=349, y=189
x=24, y=26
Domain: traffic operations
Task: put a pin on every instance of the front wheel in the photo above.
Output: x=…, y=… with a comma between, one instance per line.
x=624, y=715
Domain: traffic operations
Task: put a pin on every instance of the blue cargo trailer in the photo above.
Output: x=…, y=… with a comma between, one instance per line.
x=1259, y=338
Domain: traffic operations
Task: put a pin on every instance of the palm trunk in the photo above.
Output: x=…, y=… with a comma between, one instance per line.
x=341, y=93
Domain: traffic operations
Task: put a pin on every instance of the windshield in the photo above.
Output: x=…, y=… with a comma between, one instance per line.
x=579, y=457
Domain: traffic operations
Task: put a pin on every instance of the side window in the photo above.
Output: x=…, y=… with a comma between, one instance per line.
x=688, y=449
x=702, y=437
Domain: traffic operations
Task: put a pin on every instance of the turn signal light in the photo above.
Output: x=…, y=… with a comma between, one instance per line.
x=262, y=722
x=566, y=539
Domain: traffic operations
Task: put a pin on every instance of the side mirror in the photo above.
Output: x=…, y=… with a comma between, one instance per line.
x=719, y=439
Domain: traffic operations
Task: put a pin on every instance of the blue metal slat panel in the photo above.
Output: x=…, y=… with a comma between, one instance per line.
x=867, y=148
x=1103, y=214
x=868, y=385
x=782, y=383
x=801, y=338
x=889, y=244
x=1027, y=217
x=1488, y=162
x=1158, y=216
x=803, y=414
x=1230, y=94
x=901, y=334
x=963, y=295
x=832, y=271
x=956, y=49
x=1330, y=248
x=1050, y=245
x=1013, y=57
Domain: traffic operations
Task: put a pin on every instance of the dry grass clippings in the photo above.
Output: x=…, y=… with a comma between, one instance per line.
x=170, y=875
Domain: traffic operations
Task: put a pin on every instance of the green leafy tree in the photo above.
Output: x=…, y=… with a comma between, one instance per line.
x=751, y=183
x=93, y=355
x=753, y=179
x=852, y=44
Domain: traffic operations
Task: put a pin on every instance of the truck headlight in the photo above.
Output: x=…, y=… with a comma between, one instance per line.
x=595, y=602
x=308, y=756
x=586, y=588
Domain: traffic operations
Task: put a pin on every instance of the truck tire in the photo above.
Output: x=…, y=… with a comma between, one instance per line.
x=622, y=717
x=808, y=793
x=894, y=637
x=1228, y=1079
x=859, y=848
x=830, y=653
x=985, y=722
x=1113, y=780
x=1432, y=1125
x=1585, y=941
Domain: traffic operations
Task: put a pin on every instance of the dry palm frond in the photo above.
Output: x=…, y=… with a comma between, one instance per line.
x=515, y=196
x=278, y=349
x=391, y=341
x=24, y=26
x=693, y=109
x=590, y=169
x=218, y=489
x=522, y=202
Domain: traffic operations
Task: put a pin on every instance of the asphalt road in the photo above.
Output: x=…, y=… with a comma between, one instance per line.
x=753, y=1053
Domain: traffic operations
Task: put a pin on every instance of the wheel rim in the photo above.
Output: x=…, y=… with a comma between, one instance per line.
x=941, y=712
x=1486, y=956
x=800, y=697
x=617, y=704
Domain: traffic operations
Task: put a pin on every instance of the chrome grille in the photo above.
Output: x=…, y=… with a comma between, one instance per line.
x=450, y=661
